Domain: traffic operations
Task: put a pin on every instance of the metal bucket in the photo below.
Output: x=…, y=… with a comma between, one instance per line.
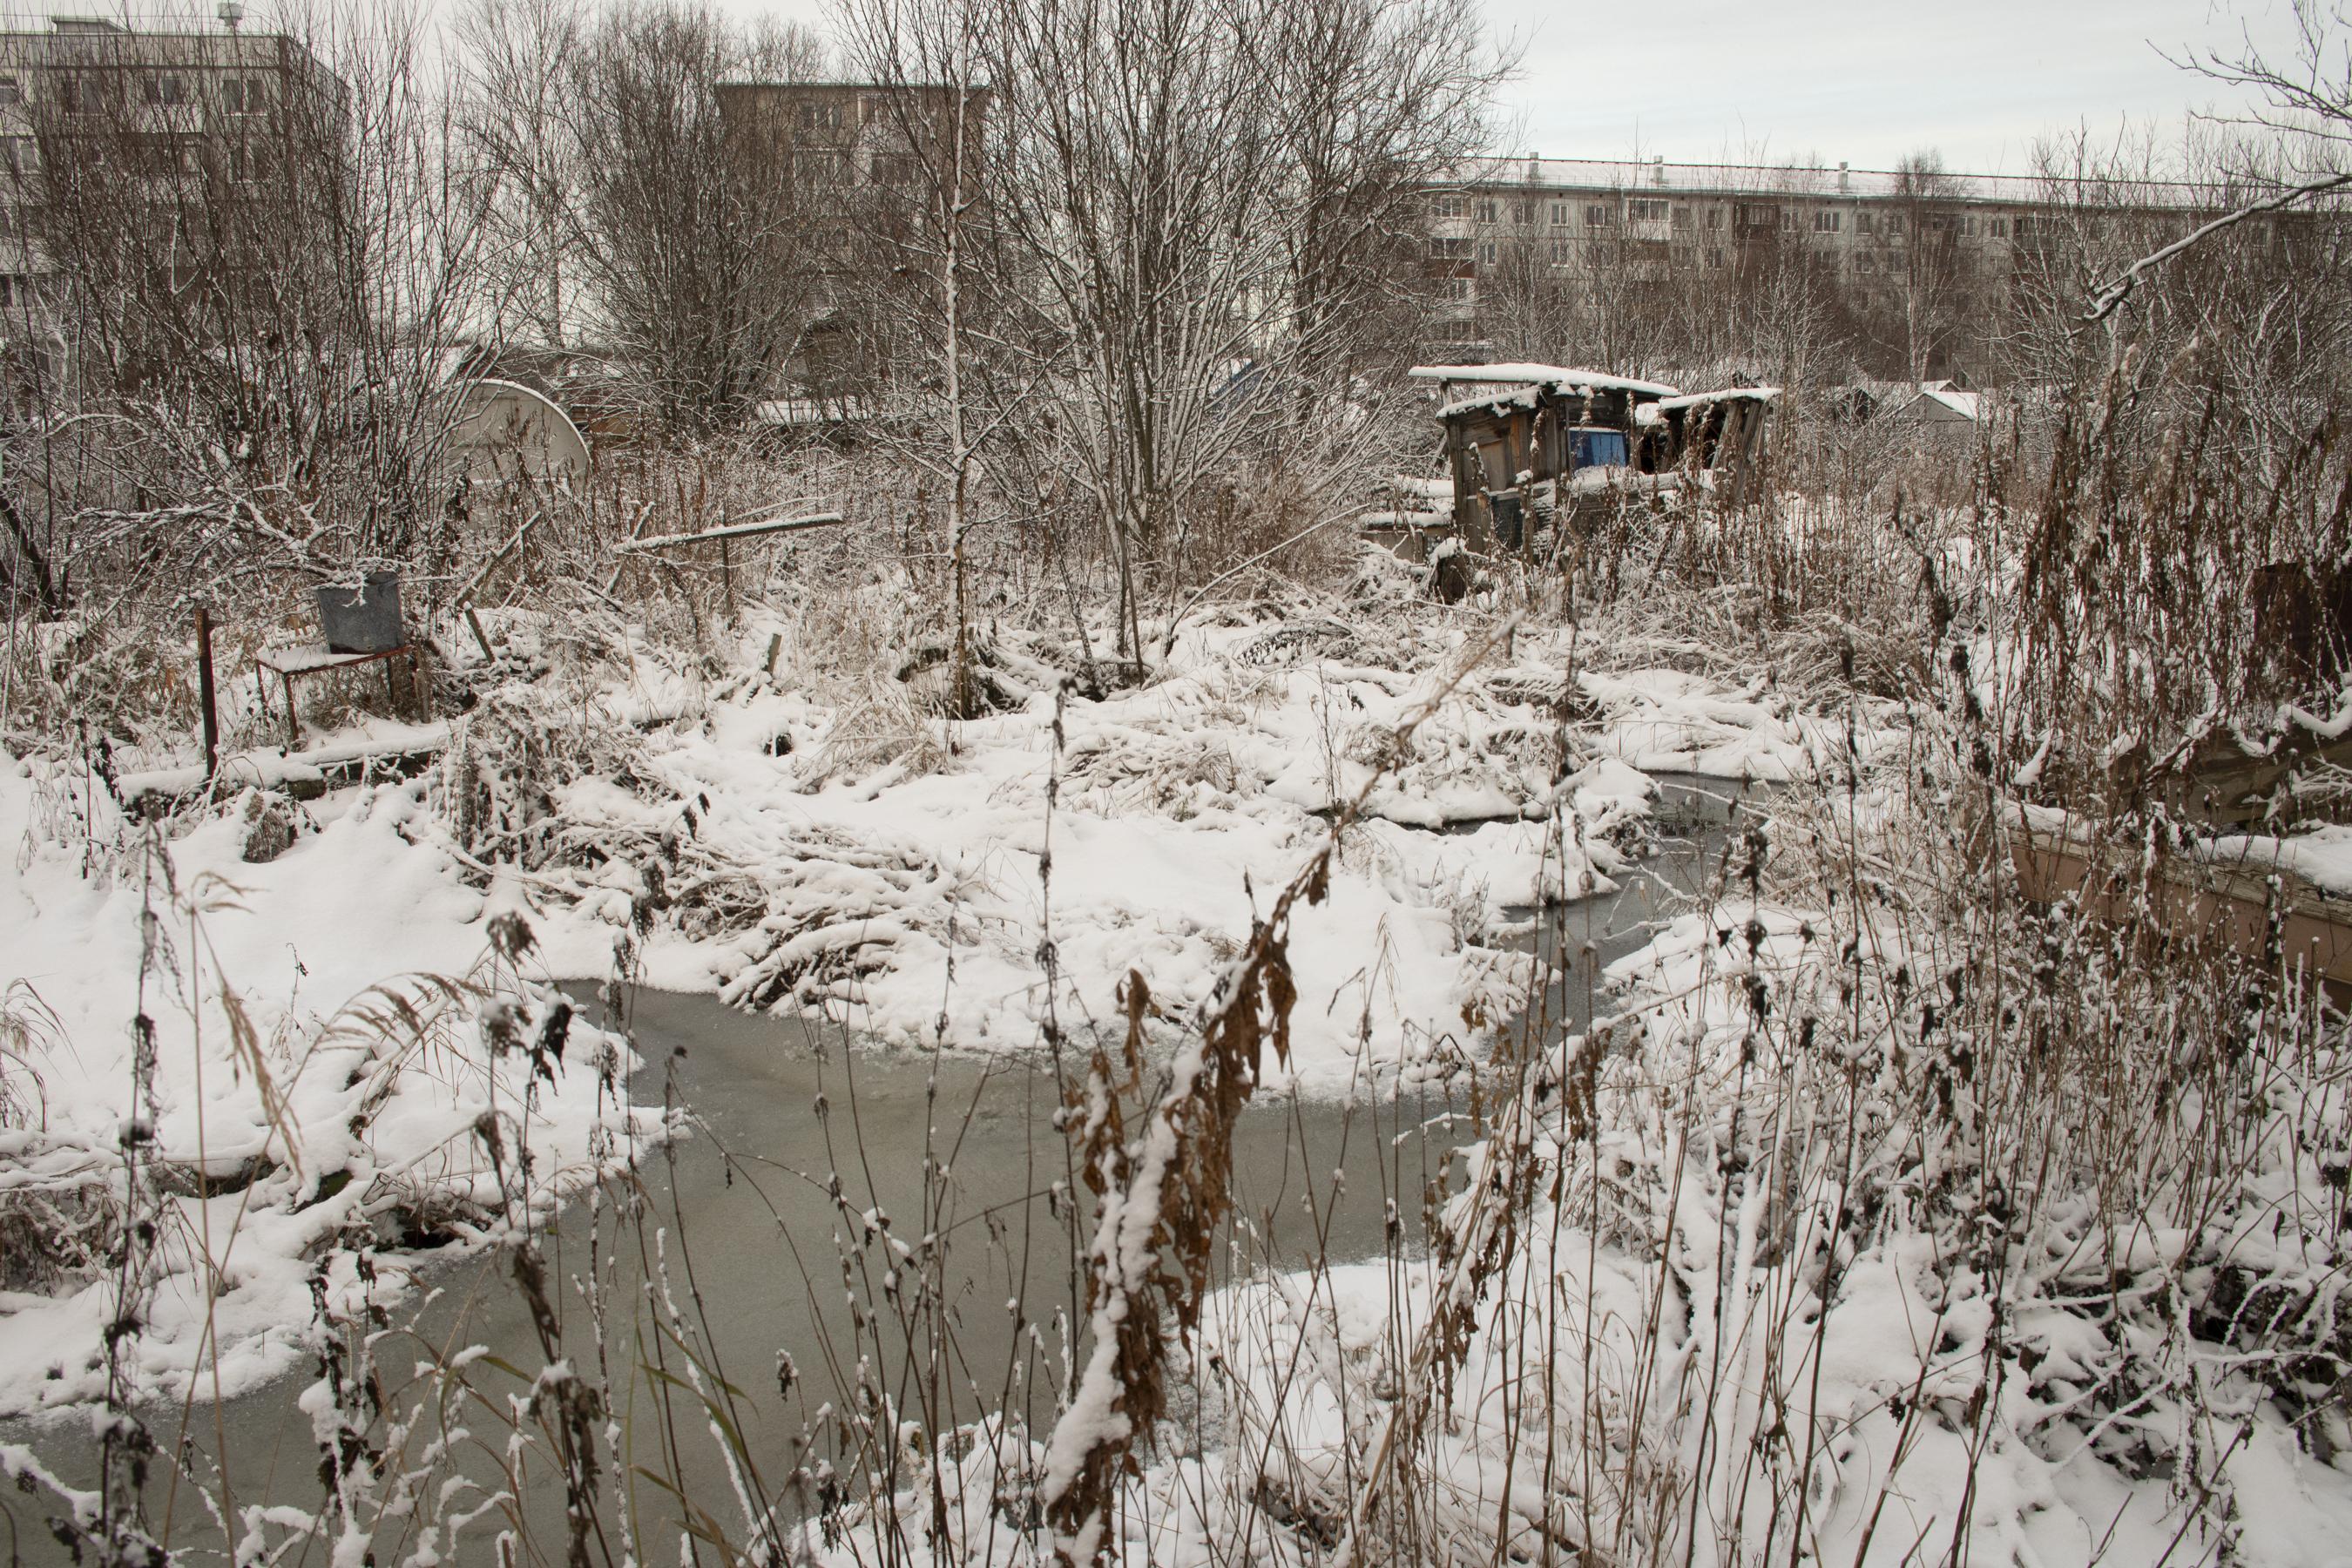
x=362, y=620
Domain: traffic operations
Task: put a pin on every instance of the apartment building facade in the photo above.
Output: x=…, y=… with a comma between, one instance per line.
x=867, y=165
x=1504, y=228
x=97, y=114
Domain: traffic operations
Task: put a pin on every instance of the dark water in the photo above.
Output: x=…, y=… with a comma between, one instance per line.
x=736, y=1224
x=730, y=1247
x=1700, y=825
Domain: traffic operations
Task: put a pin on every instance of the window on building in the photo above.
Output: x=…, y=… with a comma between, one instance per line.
x=1714, y=217
x=1523, y=212
x=1682, y=217
x=1894, y=223
x=21, y=156
x=823, y=116
x=1997, y=227
x=1456, y=290
x=12, y=91
x=243, y=95
x=1754, y=216
x=1563, y=214
x=1562, y=252
x=159, y=154
x=1788, y=220
x=1828, y=222
x=1449, y=250
x=1863, y=223
x=1713, y=258
x=1596, y=214
x=1486, y=253
x=820, y=167
x=80, y=94
x=15, y=291
x=1450, y=206
x=1646, y=209
x=1968, y=226
x=1489, y=210
x=165, y=88
x=244, y=163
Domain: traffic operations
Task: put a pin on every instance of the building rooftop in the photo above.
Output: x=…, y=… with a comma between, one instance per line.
x=1770, y=180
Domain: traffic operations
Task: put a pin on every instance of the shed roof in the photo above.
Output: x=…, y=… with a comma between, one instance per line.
x=1541, y=374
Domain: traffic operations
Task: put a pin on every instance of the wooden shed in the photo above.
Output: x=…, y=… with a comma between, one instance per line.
x=1516, y=431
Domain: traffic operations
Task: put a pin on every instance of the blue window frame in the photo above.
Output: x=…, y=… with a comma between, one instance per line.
x=1598, y=448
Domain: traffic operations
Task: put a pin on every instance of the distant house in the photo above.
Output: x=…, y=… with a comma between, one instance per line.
x=1941, y=403
x=1944, y=403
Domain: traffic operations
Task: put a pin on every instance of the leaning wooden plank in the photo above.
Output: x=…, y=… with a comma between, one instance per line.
x=736, y=531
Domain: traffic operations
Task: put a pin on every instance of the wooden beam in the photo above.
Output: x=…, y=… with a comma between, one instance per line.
x=737, y=530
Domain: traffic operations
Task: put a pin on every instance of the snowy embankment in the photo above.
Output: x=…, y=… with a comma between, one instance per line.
x=723, y=834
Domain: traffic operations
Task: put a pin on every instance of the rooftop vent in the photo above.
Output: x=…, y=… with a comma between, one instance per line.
x=84, y=24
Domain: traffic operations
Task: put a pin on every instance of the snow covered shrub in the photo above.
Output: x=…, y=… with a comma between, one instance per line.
x=58, y=1214
x=498, y=783
x=1890, y=1215
x=850, y=652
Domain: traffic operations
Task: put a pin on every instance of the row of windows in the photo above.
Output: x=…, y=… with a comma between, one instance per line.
x=827, y=166
x=146, y=153
x=1653, y=212
x=88, y=94
x=1562, y=252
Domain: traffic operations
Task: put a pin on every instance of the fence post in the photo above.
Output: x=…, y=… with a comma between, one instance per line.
x=204, y=689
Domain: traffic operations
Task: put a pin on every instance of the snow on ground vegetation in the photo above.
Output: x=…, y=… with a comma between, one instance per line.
x=804, y=839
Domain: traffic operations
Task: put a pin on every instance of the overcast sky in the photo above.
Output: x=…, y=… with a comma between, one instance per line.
x=1862, y=80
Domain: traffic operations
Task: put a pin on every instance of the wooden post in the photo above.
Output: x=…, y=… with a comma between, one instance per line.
x=205, y=688
x=775, y=645
x=482, y=639
x=727, y=575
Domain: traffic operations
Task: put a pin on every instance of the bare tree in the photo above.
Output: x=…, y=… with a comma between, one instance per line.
x=256, y=274
x=517, y=62
x=691, y=245
x=1195, y=245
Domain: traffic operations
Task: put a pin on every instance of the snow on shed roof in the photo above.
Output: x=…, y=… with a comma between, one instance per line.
x=1723, y=395
x=1961, y=404
x=1520, y=397
x=1541, y=374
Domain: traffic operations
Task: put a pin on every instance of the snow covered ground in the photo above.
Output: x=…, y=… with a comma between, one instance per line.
x=735, y=843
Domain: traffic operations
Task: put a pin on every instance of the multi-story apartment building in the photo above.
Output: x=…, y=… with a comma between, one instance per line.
x=91, y=108
x=867, y=164
x=1507, y=228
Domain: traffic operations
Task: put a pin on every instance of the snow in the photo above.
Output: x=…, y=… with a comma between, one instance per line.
x=2320, y=856
x=1547, y=375
x=1180, y=804
x=308, y=948
x=1725, y=395
x=1665, y=720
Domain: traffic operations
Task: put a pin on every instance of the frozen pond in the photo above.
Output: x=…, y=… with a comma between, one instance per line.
x=737, y=1226
x=741, y=1214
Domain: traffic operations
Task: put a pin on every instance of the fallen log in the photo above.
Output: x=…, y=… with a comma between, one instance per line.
x=302, y=776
